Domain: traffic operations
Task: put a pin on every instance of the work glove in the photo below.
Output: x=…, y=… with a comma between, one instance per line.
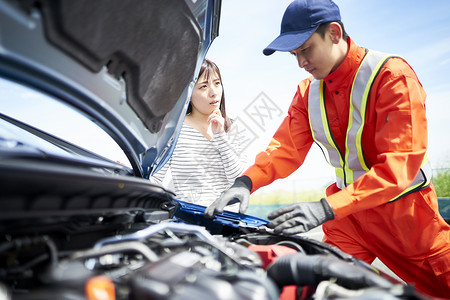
x=300, y=217
x=238, y=192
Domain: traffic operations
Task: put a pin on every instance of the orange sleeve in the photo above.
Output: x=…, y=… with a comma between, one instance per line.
x=396, y=145
x=288, y=147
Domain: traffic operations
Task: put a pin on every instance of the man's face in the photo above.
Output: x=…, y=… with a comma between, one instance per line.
x=316, y=55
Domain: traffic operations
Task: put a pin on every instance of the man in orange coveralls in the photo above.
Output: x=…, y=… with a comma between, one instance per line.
x=366, y=110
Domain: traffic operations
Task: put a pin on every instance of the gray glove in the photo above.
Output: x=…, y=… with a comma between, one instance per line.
x=300, y=217
x=238, y=192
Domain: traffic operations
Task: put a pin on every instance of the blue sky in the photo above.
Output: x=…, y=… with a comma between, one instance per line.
x=417, y=30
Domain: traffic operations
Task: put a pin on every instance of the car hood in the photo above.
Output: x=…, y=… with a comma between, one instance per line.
x=127, y=65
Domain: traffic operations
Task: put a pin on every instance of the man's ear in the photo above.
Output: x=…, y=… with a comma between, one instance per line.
x=335, y=31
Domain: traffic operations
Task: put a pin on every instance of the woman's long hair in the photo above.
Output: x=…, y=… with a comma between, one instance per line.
x=209, y=68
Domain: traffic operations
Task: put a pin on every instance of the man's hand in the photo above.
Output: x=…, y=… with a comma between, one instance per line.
x=238, y=192
x=300, y=217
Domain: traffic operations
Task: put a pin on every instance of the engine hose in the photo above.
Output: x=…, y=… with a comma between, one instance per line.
x=309, y=270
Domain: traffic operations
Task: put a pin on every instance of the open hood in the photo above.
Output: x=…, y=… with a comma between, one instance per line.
x=129, y=66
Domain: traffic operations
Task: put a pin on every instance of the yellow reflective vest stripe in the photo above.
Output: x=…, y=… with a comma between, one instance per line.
x=349, y=166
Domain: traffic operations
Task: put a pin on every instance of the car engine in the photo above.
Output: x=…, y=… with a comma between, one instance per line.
x=166, y=258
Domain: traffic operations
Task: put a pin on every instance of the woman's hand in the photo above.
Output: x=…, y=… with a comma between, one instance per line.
x=216, y=122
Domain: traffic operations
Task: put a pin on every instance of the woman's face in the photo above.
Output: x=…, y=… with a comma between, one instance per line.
x=207, y=94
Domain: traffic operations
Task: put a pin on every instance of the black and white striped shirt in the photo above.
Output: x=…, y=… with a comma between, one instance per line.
x=202, y=169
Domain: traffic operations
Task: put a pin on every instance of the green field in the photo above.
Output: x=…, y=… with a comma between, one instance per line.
x=261, y=204
x=285, y=197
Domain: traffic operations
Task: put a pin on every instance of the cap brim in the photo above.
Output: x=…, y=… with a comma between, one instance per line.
x=289, y=41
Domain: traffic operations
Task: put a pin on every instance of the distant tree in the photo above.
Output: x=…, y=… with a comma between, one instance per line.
x=441, y=181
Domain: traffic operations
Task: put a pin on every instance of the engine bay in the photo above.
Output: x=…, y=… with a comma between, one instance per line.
x=167, y=258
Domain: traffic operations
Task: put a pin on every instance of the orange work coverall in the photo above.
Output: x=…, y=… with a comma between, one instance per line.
x=408, y=235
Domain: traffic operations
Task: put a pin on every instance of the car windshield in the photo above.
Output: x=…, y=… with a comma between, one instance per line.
x=46, y=113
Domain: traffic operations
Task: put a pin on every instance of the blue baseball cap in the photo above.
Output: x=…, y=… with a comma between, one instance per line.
x=300, y=21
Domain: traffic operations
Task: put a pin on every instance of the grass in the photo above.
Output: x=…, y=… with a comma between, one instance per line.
x=262, y=203
x=286, y=197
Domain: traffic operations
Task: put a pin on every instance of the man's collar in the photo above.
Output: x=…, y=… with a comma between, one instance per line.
x=355, y=54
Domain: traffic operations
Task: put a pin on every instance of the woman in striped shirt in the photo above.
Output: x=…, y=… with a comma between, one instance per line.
x=209, y=152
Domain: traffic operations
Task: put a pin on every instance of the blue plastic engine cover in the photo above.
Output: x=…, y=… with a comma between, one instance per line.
x=226, y=221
